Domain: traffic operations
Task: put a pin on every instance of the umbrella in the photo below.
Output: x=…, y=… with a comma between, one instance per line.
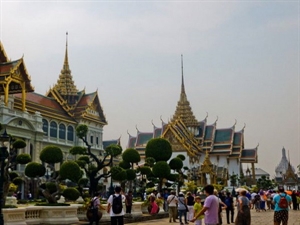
x=240, y=189
x=289, y=192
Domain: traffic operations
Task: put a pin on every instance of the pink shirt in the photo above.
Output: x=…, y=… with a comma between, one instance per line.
x=212, y=212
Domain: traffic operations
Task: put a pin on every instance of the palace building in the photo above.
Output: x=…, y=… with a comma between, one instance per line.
x=212, y=154
x=49, y=119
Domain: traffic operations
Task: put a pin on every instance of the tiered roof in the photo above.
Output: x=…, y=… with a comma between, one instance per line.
x=63, y=101
x=196, y=137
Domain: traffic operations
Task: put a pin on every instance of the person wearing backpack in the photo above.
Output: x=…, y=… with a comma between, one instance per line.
x=94, y=207
x=282, y=201
x=115, y=207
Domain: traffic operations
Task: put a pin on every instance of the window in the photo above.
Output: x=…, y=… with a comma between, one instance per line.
x=70, y=133
x=97, y=141
x=62, y=131
x=92, y=139
x=45, y=127
x=53, y=129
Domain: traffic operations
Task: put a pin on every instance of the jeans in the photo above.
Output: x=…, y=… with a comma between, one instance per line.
x=182, y=213
x=230, y=211
x=116, y=220
x=128, y=209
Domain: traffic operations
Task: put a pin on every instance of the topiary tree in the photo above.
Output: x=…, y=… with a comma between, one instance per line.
x=71, y=193
x=12, y=159
x=68, y=170
x=159, y=149
x=95, y=164
x=131, y=156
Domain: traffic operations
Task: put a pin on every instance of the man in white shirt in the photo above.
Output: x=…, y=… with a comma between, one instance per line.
x=172, y=201
x=115, y=207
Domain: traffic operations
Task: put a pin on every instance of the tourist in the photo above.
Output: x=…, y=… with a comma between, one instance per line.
x=182, y=208
x=243, y=207
x=95, y=203
x=190, y=204
x=229, y=208
x=166, y=195
x=196, y=209
x=263, y=199
x=221, y=205
x=256, y=202
x=298, y=201
x=128, y=202
x=294, y=199
x=115, y=208
x=153, y=204
x=172, y=204
x=210, y=208
x=281, y=214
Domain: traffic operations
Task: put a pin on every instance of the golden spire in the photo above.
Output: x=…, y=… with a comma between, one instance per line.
x=65, y=84
x=183, y=109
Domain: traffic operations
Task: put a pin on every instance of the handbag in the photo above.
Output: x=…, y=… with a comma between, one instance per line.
x=186, y=208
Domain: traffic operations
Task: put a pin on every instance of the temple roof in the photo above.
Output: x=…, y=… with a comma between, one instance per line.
x=283, y=164
x=3, y=56
x=249, y=155
x=17, y=72
x=183, y=108
x=110, y=142
x=48, y=107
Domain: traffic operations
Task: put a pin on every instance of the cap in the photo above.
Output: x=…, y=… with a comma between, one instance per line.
x=181, y=193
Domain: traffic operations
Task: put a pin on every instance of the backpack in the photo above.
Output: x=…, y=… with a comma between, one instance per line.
x=91, y=204
x=228, y=202
x=283, y=203
x=117, y=204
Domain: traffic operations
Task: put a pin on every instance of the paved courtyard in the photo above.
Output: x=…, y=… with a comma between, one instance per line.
x=258, y=218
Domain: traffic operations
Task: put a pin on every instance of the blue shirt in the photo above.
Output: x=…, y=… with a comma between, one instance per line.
x=276, y=200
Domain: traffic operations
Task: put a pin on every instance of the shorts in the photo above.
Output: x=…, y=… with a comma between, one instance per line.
x=281, y=216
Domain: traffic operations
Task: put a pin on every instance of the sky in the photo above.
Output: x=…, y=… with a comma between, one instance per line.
x=240, y=59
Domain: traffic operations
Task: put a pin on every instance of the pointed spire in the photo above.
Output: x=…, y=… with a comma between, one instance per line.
x=182, y=78
x=65, y=84
x=66, y=62
x=183, y=109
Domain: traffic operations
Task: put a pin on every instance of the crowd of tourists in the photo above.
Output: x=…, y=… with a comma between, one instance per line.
x=205, y=208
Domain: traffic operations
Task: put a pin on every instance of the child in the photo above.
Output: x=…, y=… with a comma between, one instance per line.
x=197, y=209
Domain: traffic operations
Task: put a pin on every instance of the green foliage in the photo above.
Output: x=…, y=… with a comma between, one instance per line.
x=265, y=183
x=92, y=167
x=113, y=150
x=190, y=186
x=51, y=154
x=131, y=155
x=145, y=170
x=13, y=175
x=150, y=161
x=18, y=180
x=173, y=177
x=150, y=184
x=130, y=173
x=71, y=193
x=161, y=169
x=83, y=182
x=180, y=156
x=51, y=187
x=125, y=165
x=23, y=158
x=77, y=150
x=118, y=173
x=19, y=144
x=70, y=170
x=81, y=130
x=176, y=163
x=34, y=169
x=84, y=158
x=158, y=148
x=81, y=163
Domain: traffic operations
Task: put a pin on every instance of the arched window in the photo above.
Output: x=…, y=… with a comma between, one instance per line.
x=45, y=127
x=53, y=129
x=70, y=133
x=62, y=131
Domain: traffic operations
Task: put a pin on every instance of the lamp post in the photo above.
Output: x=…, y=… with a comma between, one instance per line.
x=3, y=155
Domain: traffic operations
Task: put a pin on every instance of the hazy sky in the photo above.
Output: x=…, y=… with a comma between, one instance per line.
x=241, y=61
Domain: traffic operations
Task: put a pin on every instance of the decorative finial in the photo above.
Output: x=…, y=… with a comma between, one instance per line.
x=128, y=133
x=244, y=126
x=206, y=115
x=67, y=39
x=152, y=123
x=137, y=128
x=182, y=79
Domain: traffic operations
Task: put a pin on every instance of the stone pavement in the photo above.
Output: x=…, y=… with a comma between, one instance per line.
x=258, y=218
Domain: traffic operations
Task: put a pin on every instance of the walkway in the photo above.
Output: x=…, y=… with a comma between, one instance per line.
x=258, y=218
